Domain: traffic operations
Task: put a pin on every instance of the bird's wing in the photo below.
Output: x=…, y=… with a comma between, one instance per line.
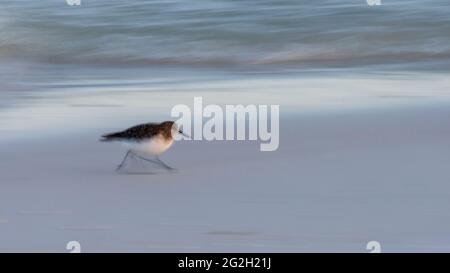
x=137, y=133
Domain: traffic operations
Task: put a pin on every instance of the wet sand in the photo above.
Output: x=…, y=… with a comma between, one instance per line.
x=337, y=181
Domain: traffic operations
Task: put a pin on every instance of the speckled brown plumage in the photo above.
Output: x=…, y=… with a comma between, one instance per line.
x=142, y=132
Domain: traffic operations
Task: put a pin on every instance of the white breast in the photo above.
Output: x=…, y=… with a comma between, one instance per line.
x=154, y=146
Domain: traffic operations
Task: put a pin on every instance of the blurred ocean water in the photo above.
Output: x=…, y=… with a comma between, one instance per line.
x=254, y=34
x=109, y=60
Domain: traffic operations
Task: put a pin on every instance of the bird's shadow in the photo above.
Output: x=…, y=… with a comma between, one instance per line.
x=142, y=162
x=137, y=173
x=143, y=172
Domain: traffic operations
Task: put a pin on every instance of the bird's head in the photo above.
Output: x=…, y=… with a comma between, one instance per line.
x=173, y=128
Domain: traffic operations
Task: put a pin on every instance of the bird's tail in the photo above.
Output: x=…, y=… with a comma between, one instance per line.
x=109, y=137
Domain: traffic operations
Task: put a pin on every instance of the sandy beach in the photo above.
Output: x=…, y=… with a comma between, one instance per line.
x=342, y=176
x=363, y=93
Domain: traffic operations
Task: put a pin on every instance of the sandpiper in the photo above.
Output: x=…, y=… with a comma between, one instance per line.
x=150, y=139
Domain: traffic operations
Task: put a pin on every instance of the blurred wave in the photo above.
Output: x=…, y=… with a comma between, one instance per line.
x=244, y=33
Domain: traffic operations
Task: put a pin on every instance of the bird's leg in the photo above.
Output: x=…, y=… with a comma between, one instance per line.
x=123, y=161
x=164, y=164
x=146, y=159
x=157, y=161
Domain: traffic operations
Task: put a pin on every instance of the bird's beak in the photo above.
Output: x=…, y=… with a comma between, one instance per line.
x=181, y=132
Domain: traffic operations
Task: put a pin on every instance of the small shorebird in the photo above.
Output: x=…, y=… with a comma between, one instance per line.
x=150, y=139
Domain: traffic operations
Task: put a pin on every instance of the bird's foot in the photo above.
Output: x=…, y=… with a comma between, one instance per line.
x=170, y=169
